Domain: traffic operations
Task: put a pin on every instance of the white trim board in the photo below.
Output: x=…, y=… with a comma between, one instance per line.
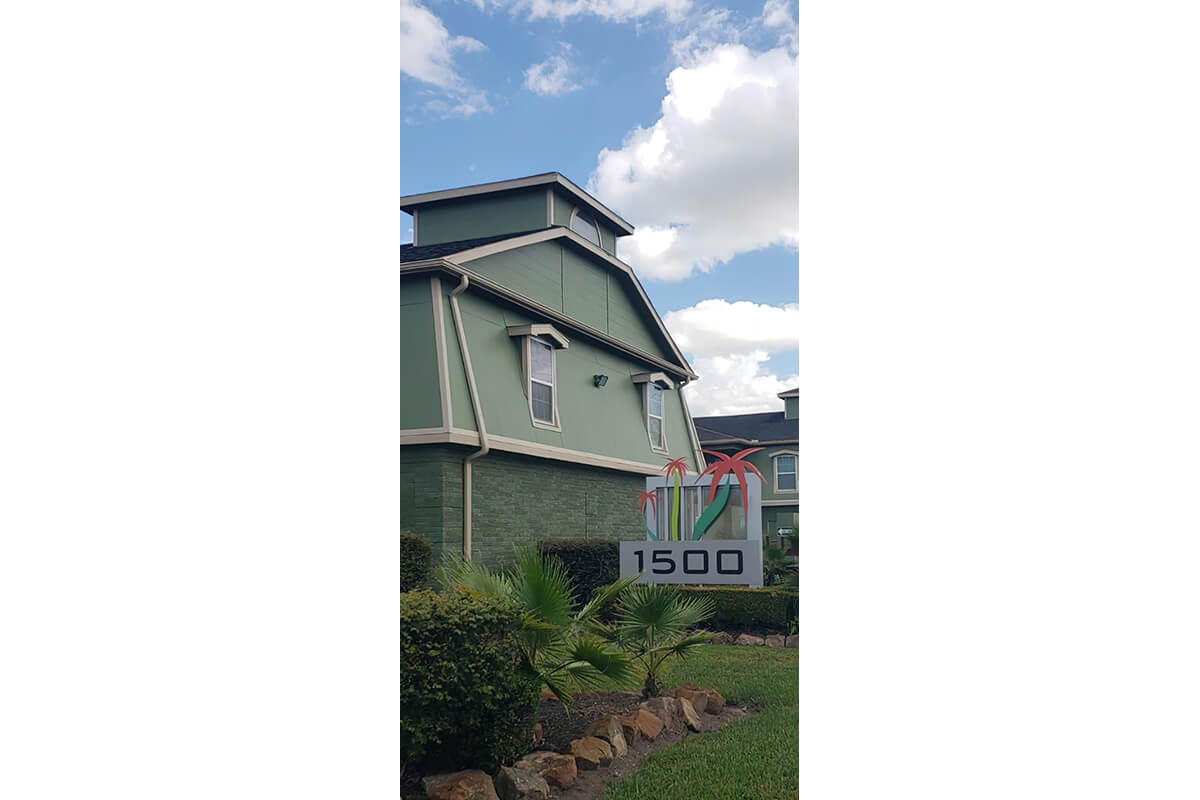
x=520, y=446
x=439, y=334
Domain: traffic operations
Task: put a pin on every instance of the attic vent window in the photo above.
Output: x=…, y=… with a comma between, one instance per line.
x=585, y=227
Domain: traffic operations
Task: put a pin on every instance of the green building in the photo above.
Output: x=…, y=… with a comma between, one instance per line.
x=539, y=387
x=777, y=433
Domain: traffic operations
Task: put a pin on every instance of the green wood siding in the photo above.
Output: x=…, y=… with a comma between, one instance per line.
x=627, y=322
x=534, y=271
x=607, y=421
x=608, y=240
x=420, y=399
x=472, y=217
x=791, y=407
x=565, y=280
x=585, y=290
x=562, y=210
x=765, y=461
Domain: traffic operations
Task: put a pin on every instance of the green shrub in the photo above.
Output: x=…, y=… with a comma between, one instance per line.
x=416, y=561
x=465, y=701
x=770, y=608
x=590, y=563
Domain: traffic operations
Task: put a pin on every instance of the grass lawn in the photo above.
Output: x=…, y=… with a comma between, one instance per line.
x=754, y=758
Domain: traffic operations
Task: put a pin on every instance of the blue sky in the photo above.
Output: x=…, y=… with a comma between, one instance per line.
x=681, y=117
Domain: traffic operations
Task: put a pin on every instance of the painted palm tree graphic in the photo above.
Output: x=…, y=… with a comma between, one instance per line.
x=678, y=468
x=735, y=465
x=642, y=498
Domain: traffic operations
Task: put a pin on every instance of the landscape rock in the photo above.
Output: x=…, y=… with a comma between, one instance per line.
x=630, y=728
x=547, y=695
x=610, y=729
x=698, y=697
x=722, y=638
x=775, y=640
x=646, y=724
x=513, y=783
x=793, y=640
x=556, y=768
x=748, y=639
x=688, y=711
x=716, y=703
x=430, y=782
x=470, y=784
x=538, y=734
x=666, y=709
x=591, y=752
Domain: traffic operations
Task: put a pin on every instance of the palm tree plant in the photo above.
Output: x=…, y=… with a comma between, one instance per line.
x=652, y=625
x=678, y=468
x=561, y=645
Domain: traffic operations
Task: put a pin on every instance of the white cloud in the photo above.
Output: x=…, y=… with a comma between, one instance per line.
x=719, y=327
x=716, y=174
x=735, y=384
x=728, y=345
x=550, y=77
x=777, y=14
x=611, y=10
x=427, y=53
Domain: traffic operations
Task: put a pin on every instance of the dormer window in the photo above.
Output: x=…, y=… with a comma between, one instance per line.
x=655, y=383
x=585, y=227
x=539, y=343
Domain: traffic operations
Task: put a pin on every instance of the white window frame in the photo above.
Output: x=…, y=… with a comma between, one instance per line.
x=590, y=220
x=526, y=351
x=646, y=416
x=775, y=470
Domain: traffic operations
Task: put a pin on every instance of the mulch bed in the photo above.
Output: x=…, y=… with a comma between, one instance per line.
x=560, y=725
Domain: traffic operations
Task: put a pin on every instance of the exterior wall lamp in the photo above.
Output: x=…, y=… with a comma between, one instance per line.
x=599, y=380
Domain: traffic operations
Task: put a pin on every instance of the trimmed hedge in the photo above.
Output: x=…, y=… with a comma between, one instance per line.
x=416, y=561
x=771, y=608
x=464, y=700
x=590, y=563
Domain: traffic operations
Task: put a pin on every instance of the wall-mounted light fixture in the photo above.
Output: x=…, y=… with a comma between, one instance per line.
x=599, y=380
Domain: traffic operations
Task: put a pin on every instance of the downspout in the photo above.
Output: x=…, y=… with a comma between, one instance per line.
x=696, y=448
x=475, y=406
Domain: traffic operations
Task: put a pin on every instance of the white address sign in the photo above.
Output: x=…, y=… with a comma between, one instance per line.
x=721, y=561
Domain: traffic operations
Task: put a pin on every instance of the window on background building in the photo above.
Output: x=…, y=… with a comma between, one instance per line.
x=654, y=415
x=785, y=473
x=585, y=228
x=541, y=380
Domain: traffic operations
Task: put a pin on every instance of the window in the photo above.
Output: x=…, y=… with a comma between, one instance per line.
x=654, y=416
x=585, y=227
x=785, y=473
x=541, y=380
x=539, y=341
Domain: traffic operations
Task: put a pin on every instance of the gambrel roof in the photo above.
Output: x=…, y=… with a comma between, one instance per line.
x=460, y=254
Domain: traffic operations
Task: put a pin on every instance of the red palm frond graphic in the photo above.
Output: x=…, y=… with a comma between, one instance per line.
x=642, y=502
x=735, y=465
x=676, y=467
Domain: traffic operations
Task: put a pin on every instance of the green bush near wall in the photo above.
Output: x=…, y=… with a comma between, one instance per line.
x=767, y=608
x=416, y=561
x=464, y=700
x=590, y=563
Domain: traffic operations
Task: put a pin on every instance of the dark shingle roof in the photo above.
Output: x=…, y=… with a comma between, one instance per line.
x=410, y=253
x=766, y=427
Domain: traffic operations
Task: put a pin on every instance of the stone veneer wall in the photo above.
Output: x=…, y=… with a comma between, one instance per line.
x=517, y=500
